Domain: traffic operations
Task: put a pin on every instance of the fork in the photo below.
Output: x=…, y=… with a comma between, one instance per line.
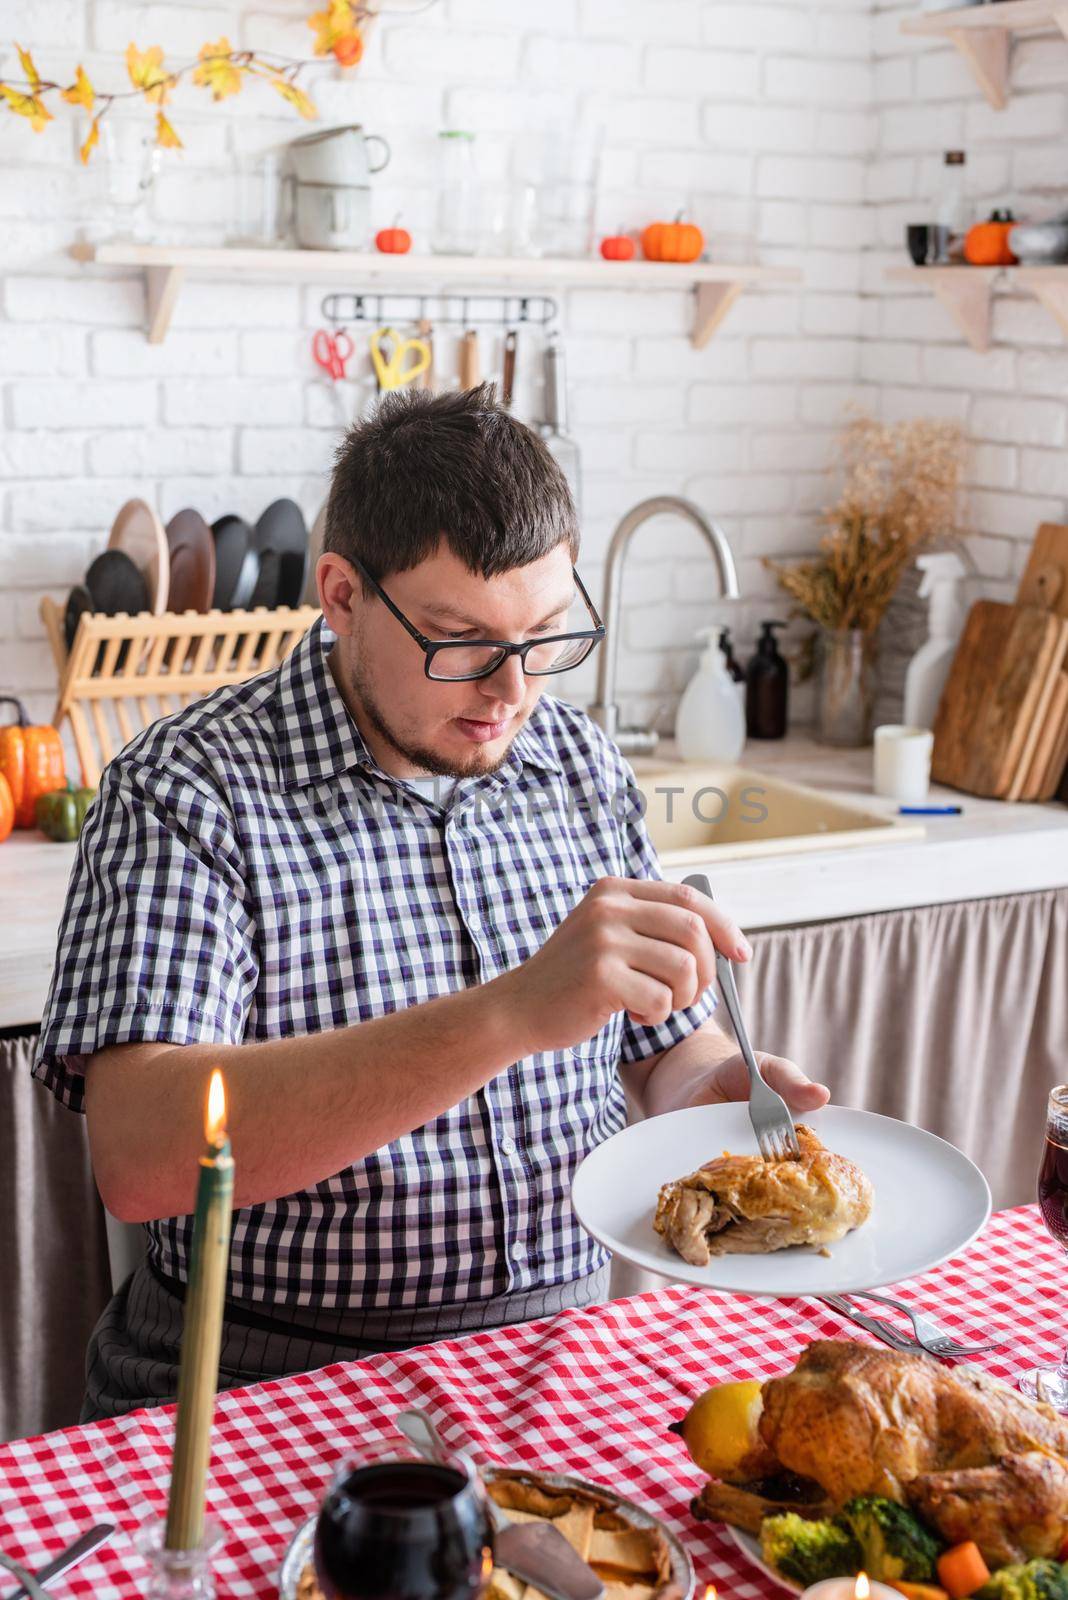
x=928, y=1333
x=773, y=1125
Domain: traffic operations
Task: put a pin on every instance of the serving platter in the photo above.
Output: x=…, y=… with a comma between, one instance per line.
x=930, y=1201
x=750, y=1548
x=299, y=1551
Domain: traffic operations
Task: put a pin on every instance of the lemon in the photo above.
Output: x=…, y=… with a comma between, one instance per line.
x=720, y=1427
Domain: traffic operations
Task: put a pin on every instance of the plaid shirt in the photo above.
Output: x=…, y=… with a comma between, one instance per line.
x=249, y=872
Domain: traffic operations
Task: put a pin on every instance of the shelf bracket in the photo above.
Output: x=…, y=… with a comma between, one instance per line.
x=1053, y=295
x=986, y=50
x=714, y=300
x=968, y=302
x=162, y=284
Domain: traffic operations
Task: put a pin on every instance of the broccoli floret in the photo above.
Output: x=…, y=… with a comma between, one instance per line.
x=894, y=1545
x=807, y=1550
x=1029, y=1580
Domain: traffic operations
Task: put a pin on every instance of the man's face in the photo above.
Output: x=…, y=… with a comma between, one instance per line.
x=414, y=724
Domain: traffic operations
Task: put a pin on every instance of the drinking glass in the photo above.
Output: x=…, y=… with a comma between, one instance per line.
x=396, y=1527
x=1051, y=1383
x=129, y=161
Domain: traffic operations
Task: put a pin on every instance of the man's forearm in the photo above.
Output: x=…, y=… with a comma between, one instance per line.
x=681, y=1074
x=300, y=1110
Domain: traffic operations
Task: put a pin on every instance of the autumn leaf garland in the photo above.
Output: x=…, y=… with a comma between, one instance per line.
x=219, y=68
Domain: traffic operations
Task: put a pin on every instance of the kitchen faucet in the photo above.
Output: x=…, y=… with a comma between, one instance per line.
x=604, y=710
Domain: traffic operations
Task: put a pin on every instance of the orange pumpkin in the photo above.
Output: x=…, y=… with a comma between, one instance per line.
x=393, y=241
x=7, y=809
x=987, y=243
x=672, y=241
x=31, y=761
x=618, y=247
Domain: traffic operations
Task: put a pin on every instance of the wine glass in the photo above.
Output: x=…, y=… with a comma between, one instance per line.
x=1051, y=1383
x=396, y=1527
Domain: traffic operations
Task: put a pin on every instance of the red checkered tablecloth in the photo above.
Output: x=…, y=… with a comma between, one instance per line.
x=589, y=1392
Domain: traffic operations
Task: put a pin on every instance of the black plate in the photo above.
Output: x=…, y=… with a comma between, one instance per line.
x=78, y=601
x=233, y=541
x=282, y=530
x=116, y=584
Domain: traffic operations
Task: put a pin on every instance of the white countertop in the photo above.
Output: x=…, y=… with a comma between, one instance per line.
x=990, y=849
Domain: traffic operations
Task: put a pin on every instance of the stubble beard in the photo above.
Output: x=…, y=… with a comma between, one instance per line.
x=421, y=756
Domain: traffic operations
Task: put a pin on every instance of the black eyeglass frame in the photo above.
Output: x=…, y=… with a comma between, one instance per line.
x=431, y=647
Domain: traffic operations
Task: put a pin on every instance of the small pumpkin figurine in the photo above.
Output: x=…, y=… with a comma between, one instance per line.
x=618, y=247
x=395, y=241
x=7, y=809
x=672, y=241
x=31, y=759
x=987, y=243
x=60, y=814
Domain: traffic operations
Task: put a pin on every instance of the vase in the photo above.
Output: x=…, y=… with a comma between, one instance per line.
x=845, y=687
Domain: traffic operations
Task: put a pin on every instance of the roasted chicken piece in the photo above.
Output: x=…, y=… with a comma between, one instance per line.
x=746, y=1205
x=860, y=1420
x=746, y=1505
x=1015, y=1509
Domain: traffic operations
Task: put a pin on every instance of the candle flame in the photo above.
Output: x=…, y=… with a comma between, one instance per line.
x=710, y=1592
x=487, y=1563
x=863, y=1588
x=215, y=1116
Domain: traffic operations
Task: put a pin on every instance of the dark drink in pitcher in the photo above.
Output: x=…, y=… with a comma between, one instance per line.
x=1053, y=1187
x=398, y=1529
x=1051, y=1383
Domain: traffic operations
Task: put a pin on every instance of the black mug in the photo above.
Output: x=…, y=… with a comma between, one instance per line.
x=919, y=241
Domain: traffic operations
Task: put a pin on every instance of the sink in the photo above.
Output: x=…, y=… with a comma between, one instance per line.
x=724, y=813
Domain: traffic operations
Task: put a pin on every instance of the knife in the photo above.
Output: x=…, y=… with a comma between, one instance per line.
x=83, y=1546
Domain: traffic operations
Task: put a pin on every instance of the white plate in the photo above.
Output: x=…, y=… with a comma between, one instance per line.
x=930, y=1201
x=750, y=1548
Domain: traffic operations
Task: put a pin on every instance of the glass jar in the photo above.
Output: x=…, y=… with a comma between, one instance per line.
x=845, y=687
x=458, y=216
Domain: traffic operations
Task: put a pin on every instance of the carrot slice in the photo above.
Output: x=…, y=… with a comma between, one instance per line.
x=962, y=1570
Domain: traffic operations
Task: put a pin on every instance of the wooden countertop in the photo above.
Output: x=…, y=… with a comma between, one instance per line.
x=990, y=849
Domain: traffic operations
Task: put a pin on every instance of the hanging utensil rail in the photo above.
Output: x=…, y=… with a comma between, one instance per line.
x=461, y=310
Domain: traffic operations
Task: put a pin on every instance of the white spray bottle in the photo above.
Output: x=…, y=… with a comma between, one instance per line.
x=944, y=574
x=710, y=725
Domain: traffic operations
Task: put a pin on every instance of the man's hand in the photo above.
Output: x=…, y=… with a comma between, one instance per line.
x=729, y=1080
x=633, y=945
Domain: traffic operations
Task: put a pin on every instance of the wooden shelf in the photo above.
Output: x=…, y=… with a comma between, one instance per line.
x=966, y=292
x=983, y=35
x=715, y=285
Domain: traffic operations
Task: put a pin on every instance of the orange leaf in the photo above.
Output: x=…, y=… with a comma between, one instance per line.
x=32, y=75
x=216, y=71
x=26, y=105
x=166, y=138
x=147, y=74
x=296, y=97
x=92, y=139
x=81, y=91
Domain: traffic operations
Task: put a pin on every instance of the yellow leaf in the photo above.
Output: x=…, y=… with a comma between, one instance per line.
x=296, y=97
x=32, y=75
x=26, y=105
x=337, y=22
x=147, y=74
x=166, y=137
x=92, y=139
x=216, y=71
x=81, y=91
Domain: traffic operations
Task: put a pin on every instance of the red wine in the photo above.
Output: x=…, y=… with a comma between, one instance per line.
x=402, y=1530
x=1053, y=1190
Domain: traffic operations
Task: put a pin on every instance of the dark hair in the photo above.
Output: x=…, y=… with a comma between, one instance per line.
x=426, y=467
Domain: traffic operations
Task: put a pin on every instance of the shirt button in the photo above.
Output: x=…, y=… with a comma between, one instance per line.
x=519, y=1251
x=509, y=1146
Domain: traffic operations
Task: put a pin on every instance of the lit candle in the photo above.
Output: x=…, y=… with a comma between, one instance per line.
x=198, y=1372
x=858, y=1588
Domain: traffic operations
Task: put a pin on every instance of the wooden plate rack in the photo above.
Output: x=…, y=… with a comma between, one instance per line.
x=124, y=673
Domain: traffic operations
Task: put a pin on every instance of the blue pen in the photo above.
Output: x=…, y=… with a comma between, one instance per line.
x=929, y=811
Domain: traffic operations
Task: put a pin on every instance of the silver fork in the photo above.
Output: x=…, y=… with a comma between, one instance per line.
x=773, y=1125
x=933, y=1338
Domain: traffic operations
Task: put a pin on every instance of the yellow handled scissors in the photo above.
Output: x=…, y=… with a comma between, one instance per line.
x=394, y=369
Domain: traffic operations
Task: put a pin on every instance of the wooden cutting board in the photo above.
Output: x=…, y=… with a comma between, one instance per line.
x=1045, y=579
x=1001, y=675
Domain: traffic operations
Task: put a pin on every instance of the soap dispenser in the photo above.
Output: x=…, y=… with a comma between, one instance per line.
x=710, y=725
x=942, y=585
x=767, y=679
x=729, y=657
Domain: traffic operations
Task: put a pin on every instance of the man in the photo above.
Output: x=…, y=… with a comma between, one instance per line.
x=390, y=890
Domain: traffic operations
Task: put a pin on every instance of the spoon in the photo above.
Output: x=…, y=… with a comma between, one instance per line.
x=534, y=1551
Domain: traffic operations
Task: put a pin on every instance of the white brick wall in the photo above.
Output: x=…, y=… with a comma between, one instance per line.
x=818, y=128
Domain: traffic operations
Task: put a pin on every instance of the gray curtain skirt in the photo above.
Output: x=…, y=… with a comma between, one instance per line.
x=133, y=1354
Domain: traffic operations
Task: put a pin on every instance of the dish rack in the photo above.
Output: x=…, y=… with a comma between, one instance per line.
x=123, y=673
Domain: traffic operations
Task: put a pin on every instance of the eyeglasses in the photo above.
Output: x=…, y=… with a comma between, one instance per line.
x=458, y=660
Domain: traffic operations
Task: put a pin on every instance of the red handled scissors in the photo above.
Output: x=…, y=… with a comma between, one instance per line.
x=333, y=352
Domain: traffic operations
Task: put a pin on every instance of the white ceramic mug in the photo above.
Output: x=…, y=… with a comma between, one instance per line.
x=902, y=762
x=330, y=216
x=337, y=155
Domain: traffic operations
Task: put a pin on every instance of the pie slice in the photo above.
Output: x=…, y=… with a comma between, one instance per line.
x=744, y=1205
